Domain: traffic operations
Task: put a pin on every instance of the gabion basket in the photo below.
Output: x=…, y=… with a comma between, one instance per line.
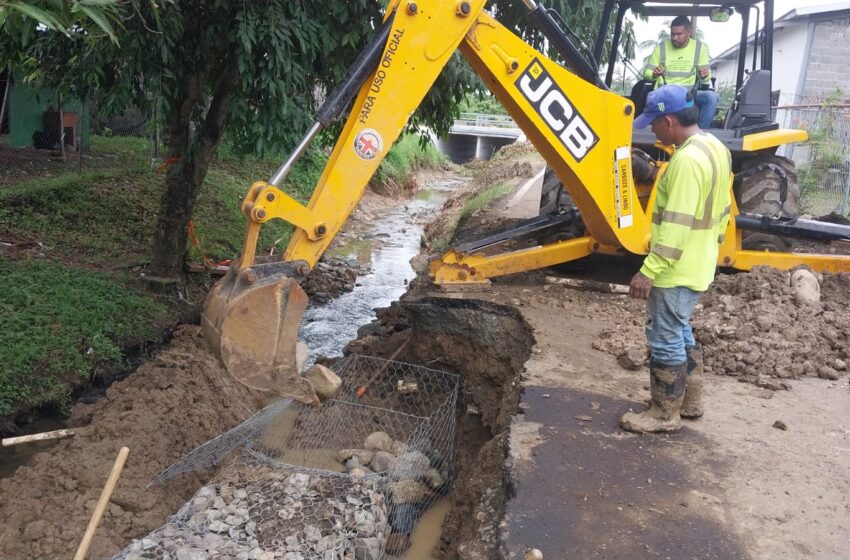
x=346, y=481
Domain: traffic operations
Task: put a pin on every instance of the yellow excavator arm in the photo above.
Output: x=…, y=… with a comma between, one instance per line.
x=583, y=131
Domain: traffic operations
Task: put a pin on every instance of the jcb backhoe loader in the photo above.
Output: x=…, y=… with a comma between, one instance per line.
x=583, y=130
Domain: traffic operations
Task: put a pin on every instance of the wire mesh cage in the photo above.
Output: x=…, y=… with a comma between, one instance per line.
x=345, y=481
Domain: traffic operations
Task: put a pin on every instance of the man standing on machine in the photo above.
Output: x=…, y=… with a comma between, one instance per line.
x=689, y=219
x=683, y=60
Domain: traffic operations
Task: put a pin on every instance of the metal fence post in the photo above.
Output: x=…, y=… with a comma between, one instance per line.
x=845, y=200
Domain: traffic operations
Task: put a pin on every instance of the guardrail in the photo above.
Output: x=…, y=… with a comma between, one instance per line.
x=485, y=121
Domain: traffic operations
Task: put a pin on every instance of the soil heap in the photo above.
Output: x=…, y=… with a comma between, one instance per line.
x=179, y=399
x=752, y=325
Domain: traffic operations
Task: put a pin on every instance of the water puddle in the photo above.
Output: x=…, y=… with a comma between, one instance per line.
x=387, y=244
x=426, y=534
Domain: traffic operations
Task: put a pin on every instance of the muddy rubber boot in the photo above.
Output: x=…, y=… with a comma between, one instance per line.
x=667, y=387
x=692, y=405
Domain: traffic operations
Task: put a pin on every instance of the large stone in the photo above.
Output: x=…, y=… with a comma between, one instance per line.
x=219, y=527
x=367, y=549
x=379, y=441
x=382, y=461
x=632, y=359
x=434, y=479
x=408, y=492
x=34, y=530
x=805, y=285
x=826, y=372
x=411, y=464
x=191, y=554
x=324, y=381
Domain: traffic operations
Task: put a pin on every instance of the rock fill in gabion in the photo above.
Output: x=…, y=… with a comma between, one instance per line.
x=346, y=481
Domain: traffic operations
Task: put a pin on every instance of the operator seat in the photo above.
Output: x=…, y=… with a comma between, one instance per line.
x=751, y=110
x=639, y=93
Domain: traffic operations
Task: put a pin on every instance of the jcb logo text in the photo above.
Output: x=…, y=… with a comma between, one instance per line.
x=550, y=102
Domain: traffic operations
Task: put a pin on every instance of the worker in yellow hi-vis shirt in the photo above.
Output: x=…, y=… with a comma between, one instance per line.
x=691, y=212
x=683, y=60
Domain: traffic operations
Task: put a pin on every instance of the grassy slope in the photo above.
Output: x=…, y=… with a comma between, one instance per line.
x=67, y=316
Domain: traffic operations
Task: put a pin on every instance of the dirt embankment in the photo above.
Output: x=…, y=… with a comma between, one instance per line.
x=487, y=345
x=177, y=400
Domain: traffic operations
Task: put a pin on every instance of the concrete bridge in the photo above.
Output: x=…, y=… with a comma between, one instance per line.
x=478, y=136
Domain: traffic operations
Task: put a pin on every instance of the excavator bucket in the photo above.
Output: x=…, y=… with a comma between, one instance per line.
x=251, y=320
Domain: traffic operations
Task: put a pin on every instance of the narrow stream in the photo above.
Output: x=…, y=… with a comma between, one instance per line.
x=386, y=244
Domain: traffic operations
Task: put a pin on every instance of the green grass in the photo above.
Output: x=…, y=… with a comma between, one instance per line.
x=107, y=216
x=125, y=146
x=61, y=322
x=90, y=218
x=406, y=157
x=219, y=222
x=483, y=199
x=60, y=325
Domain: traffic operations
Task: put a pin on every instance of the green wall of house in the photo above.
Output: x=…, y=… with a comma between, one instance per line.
x=26, y=107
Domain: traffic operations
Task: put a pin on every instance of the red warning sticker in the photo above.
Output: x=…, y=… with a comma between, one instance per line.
x=368, y=143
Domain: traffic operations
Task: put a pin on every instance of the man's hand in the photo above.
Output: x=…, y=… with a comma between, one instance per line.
x=657, y=71
x=703, y=72
x=639, y=286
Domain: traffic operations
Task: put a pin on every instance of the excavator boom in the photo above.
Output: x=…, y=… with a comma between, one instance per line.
x=582, y=130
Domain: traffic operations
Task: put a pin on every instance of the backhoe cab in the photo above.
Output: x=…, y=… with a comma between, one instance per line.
x=581, y=128
x=765, y=183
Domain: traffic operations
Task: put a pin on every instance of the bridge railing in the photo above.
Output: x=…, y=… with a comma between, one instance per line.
x=485, y=121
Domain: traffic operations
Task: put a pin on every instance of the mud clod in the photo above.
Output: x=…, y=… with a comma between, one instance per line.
x=632, y=359
x=331, y=278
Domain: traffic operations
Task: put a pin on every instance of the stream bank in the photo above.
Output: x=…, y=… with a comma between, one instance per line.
x=170, y=404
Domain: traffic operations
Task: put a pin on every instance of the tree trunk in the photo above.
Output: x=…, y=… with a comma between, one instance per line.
x=184, y=179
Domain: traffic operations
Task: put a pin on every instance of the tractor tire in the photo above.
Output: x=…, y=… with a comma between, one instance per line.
x=757, y=190
x=554, y=199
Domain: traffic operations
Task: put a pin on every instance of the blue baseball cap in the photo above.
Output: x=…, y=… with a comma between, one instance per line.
x=665, y=100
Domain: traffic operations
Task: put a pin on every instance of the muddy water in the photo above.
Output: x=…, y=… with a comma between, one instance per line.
x=426, y=534
x=386, y=244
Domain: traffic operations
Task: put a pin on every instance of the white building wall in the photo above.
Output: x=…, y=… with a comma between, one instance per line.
x=789, y=48
x=789, y=45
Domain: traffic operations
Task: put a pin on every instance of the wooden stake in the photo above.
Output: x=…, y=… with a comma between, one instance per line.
x=105, y=494
x=55, y=434
x=591, y=285
x=374, y=377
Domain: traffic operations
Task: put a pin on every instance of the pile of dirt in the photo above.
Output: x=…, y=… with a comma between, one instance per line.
x=179, y=399
x=331, y=278
x=752, y=326
x=440, y=231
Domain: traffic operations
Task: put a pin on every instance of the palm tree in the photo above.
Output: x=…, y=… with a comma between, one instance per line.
x=664, y=34
x=66, y=16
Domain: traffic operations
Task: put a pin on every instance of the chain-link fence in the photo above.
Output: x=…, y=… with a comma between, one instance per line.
x=42, y=138
x=346, y=481
x=823, y=163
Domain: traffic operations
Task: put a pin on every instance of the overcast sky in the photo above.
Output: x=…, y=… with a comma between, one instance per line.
x=719, y=36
